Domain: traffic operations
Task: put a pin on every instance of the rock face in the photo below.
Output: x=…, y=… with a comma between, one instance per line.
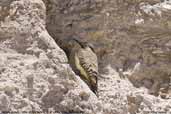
x=34, y=72
x=123, y=31
x=129, y=35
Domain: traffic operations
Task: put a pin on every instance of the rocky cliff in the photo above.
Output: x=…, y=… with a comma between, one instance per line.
x=132, y=41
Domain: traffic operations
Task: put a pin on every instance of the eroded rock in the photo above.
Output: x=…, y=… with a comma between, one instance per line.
x=124, y=33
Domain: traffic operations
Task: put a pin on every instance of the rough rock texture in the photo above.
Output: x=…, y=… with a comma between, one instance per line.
x=126, y=34
x=129, y=35
x=34, y=72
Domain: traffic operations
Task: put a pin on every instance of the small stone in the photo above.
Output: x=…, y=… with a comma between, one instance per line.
x=118, y=81
x=2, y=69
x=21, y=63
x=84, y=96
x=135, y=99
x=10, y=90
x=30, y=81
x=51, y=80
x=108, y=14
x=132, y=108
x=131, y=99
x=4, y=102
x=163, y=95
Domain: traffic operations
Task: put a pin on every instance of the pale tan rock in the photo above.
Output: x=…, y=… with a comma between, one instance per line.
x=26, y=48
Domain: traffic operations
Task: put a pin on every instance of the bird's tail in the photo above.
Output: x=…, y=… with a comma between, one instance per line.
x=94, y=82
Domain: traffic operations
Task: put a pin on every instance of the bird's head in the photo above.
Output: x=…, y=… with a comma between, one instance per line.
x=73, y=42
x=76, y=43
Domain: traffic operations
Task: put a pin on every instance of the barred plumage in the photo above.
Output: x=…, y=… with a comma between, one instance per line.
x=88, y=61
x=84, y=62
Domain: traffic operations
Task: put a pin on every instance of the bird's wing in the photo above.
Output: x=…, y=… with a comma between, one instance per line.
x=88, y=61
x=88, y=66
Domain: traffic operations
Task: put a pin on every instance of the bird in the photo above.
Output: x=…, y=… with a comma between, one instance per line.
x=83, y=60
